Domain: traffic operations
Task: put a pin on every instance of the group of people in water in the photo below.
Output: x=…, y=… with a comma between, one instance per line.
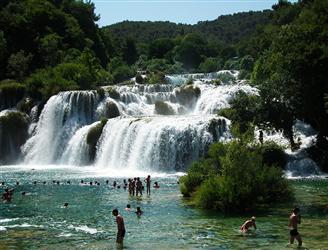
x=135, y=188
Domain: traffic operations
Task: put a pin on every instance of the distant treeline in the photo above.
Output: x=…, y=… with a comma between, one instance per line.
x=47, y=46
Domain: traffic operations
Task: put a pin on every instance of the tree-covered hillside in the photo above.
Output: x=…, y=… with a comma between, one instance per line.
x=227, y=29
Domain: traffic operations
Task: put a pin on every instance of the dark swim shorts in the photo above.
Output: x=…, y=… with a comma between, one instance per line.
x=293, y=232
x=120, y=236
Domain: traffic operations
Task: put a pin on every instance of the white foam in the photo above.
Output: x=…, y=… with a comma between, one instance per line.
x=85, y=228
x=8, y=220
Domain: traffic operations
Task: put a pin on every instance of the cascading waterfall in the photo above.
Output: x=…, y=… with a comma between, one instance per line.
x=156, y=143
x=160, y=127
x=139, y=138
x=77, y=150
x=62, y=115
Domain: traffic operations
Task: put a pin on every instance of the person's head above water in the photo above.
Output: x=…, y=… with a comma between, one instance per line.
x=128, y=206
x=115, y=212
x=253, y=218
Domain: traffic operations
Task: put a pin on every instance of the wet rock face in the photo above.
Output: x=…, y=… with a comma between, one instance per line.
x=112, y=110
x=163, y=108
x=13, y=134
x=187, y=95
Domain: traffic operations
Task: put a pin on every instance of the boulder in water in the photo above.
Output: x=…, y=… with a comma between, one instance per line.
x=93, y=136
x=162, y=108
x=187, y=95
x=112, y=110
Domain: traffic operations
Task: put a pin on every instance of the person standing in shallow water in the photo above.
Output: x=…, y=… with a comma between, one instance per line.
x=294, y=219
x=120, y=228
x=148, y=181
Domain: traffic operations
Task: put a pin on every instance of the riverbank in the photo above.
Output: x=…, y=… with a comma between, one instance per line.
x=39, y=220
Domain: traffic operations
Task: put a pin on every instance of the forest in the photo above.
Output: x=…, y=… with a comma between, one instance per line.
x=47, y=46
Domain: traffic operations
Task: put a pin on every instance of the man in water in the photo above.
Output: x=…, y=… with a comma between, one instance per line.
x=120, y=228
x=249, y=223
x=7, y=195
x=294, y=219
x=148, y=181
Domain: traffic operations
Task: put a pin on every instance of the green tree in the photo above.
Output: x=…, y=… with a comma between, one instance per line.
x=18, y=65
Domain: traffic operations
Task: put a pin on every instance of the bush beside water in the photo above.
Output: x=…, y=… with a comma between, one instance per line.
x=235, y=177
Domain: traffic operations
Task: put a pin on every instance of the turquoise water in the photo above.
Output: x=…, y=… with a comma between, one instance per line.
x=39, y=221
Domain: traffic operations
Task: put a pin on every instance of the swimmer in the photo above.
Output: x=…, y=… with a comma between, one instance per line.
x=7, y=195
x=139, y=212
x=247, y=224
x=128, y=208
x=65, y=205
x=156, y=184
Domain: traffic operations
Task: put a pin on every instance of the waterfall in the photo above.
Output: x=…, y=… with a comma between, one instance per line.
x=156, y=143
x=77, y=150
x=62, y=115
x=161, y=127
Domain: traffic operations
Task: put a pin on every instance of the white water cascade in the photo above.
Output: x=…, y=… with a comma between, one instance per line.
x=62, y=115
x=140, y=138
x=155, y=143
x=160, y=127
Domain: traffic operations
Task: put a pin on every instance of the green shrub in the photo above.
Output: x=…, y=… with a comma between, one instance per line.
x=156, y=78
x=234, y=177
x=11, y=93
x=208, y=195
x=122, y=73
x=163, y=108
x=273, y=154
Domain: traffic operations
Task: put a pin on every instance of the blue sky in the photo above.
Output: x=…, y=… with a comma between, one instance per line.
x=178, y=11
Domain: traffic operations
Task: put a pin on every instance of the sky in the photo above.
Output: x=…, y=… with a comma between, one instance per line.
x=178, y=11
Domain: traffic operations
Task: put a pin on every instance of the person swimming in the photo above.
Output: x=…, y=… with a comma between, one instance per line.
x=139, y=211
x=156, y=184
x=7, y=195
x=247, y=224
x=128, y=208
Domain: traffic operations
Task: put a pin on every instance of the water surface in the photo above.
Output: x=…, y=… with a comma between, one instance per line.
x=39, y=220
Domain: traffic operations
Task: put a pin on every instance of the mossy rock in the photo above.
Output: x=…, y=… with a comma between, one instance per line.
x=112, y=110
x=13, y=134
x=113, y=93
x=93, y=136
x=187, y=95
x=163, y=108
